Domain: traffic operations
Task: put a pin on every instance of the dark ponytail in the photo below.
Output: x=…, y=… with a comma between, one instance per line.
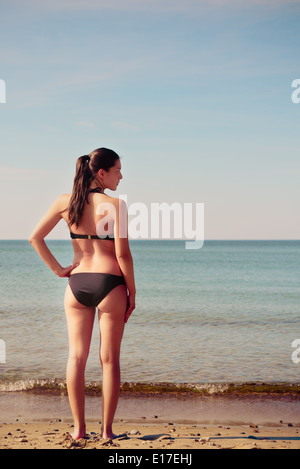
x=87, y=167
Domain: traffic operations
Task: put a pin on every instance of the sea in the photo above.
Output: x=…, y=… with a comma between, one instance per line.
x=226, y=313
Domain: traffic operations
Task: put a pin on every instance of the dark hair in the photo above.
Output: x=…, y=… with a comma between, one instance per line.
x=87, y=167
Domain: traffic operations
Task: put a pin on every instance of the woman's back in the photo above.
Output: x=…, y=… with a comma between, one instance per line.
x=95, y=255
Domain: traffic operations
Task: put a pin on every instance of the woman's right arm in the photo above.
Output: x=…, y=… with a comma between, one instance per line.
x=123, y=253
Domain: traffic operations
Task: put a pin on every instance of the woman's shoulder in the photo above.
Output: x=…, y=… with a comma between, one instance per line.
x=62, y=202
x=116, y=201
x=64, y=197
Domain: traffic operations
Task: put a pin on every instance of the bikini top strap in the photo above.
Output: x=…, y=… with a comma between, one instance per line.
x=96, y=189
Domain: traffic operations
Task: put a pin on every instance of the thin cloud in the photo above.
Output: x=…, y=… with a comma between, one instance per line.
x=124, y=126
x=9, y=173
x=86, y=124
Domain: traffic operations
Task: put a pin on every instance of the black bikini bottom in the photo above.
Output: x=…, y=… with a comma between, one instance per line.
x=89, y=288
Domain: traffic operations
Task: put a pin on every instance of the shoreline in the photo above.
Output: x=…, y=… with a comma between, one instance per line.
x=58, y=387
x=195, y=409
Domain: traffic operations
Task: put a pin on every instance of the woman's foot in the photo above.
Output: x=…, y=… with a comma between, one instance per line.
x=78, y=433
x=108, y=434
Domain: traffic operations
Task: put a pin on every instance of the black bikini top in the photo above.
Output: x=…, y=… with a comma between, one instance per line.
x=82, y=236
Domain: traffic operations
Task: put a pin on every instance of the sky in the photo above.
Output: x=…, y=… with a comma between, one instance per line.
x=194, y=96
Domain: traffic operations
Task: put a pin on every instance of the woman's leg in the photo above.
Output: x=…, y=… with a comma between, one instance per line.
x=111, y=321
x=80, y=320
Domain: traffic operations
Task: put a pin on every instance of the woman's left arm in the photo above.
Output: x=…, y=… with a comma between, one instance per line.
x=43, y=228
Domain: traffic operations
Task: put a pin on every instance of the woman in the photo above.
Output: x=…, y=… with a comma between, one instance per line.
x=101, y=275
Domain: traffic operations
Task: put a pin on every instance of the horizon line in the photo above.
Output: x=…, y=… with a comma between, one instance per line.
x=171, y=239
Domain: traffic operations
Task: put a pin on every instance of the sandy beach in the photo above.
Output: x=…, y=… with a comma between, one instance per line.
x=54, y=435
x=30, y=421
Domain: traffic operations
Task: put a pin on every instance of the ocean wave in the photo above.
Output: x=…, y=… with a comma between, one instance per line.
x=58, y=386
x=32, y=384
